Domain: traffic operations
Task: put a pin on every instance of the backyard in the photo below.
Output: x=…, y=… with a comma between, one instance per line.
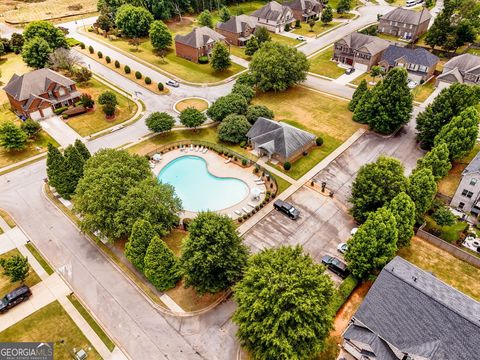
x=318, y=29
x=452, y=233
x=6, y=286
x=322, y=64
x=10, y=64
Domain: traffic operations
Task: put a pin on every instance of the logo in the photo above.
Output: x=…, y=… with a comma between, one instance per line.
x=26, y=351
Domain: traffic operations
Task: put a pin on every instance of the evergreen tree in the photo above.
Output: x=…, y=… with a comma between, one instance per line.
x=205, y=19
x=136, y=247
x=344, y=6
x=73, y=163
x=15, y=267
x=262, y=35
x=437, y=160
x=55, y=167
x=224, y=14
x=31, y=128
x=161, y=266
x=252, y=46
x=160, y=35
x=220, y=60
x=357, y=95
x=327, y=15
x=422, y=189
x=12, y=137
x=82, y=149
x=402, y=208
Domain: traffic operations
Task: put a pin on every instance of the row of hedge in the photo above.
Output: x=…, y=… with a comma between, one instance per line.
x=343, y=292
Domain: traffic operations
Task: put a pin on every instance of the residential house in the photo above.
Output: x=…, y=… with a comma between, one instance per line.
x=464, y=68
x=359, y=50
x=198, y=42
x=274, y=16
x=467, y=195
x=419, y=62
x=305, y=10
x=409, y=314
x=238, y=29
x=278, y=140
x=36, y=94
x=405, y=23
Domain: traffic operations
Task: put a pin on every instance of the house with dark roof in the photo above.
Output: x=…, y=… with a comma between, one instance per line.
x=405, y=23
x=274, y=16
x=419, y=62
x=359, y=50
x=238, y=29
x=464, y=68
x=278, y=140
x=409, y=314
x=467, y=195
x=36, y=94
x=305, y=10
x=198, y=42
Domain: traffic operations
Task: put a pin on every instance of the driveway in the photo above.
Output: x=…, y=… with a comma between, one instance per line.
x=60, y=131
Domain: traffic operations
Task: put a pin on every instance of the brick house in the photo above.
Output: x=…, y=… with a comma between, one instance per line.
x=36, y=94
x=463, y=69
x=305, y=10
x=419, y=63
x=467, y=195
x=199, y=42
x=405, y=23
x=359, y=50
x=238, y=29
x=274, y=16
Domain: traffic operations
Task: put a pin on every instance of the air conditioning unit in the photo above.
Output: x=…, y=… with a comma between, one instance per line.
x=80, y=355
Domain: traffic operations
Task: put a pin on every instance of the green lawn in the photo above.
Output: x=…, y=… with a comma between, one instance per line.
x=366, y=76
x=10, y=64
x=51, y=324
x=240, y=52
x=95, y=121
x=422, y=92
x=39, y=258
x=318, y=29
x=8, y=219
x=448, y=233
x=6, y=286
x=174, y=240
x=391, y=38
x=282, y=184
x=322, y=64
x=284, y=39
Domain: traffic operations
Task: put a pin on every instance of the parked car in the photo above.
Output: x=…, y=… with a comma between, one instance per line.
x=336, y=266
x=15, y=297
x=172, y=83
x=353, y=231
x=342, y=248
x=287, y=209
x=350, y=70
x=301, y=38
x=412, y=84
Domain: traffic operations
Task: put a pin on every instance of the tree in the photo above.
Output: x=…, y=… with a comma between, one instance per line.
x=437, y=160
x=220, y=58
x=277, y=67
x=161, y=266
x=105, y=22
x=16, y=42
x=160, y=36
x=327, y=15
x=15, y=267
x=256, y=111
x=192, y=117
x=12, y=137
x=64, y=59
x=311, y=24
x=245, y=90
x=55, y=166
x=444, y=217
x=460, y=134
x=376, y=71
x=252, y=46
x=358, y=94
x=82, y=75
x=284, y=305
x=138, y=241
x=402, y=208
x=36, y=53
x=262, y=35
x=2, y=50
x=227, y=105
x=449, y=103
x=441, y=27
x=82, y=149
x=108, y=97
x=422, y=188
x=388, y=105
x=160, y=122
x=224, y=14
x=133, y=21
x=45, y=30
x=31, y=128
x=107, y=178
x=376, y=185
x=87, y=101
x=205, y=19
x=373, y=245
x=73, y=171
x=233, y=129
x=344, y=6
x=213, y=255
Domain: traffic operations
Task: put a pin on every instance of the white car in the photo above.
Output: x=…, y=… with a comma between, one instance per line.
x=412, y=84
x=353, y=231
x=172, y=83
x=342, y=248
x=301, y=38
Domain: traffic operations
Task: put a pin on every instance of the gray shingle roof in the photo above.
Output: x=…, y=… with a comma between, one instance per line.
x=413, y=311
x=464, y=63
x=278, y=137
x=34, y=83
x=237, y=24
x=373, y=44
x=199, y=37
x=419, y=56
x=474, y=165
x=407, y=16
x=307, y=6
x=273, y=11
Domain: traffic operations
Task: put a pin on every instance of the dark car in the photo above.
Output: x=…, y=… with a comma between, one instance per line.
x=172, y=83
x=350, y=70
x=287, y=209
x=335, y=265
x=15, y=297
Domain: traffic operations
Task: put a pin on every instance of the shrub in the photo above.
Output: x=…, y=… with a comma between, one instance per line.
x=65, y=116
x=107, y=59
x=99, y=54
x=287, y=27
x=185, y=223
x=244, y=162
x=127, y=69
x=60, y=110
x=82, y=46
x=343, y=292
x=319, y=141
x=117, y=64
x=160, y=86
x=287, y=166
x=203, y=60
x=243, y=144
x=138, y=75
x=148, y=81
x=297, y=24
x=90, y=49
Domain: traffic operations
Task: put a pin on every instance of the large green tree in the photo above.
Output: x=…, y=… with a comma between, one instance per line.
x=55, y=167
x=205, y=19
x=422, y=189
x=192, y=117
x=224, y=14
x=220, y=58
x=245, y=90
x=82, y=149
x=252, y=46
x=373, y=245
x=36, y=53
x=227, y=105
x=360, y=91
x=161, y=266
x=160, y=36
x=45, y=30
x=73, y=165
x=137, y=244
x=160, y=122
x=262, y=35
x=402, y=208
x=376, y=185
x=133, y=21
x=327, y=15
x=277, y=66
x=15, y=267
x=12, y=137
x=284, y=305
x=213, y=255
x=233, y=129
x=256, y=111
x=437, y=160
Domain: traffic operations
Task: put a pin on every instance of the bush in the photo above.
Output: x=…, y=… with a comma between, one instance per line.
x=319, y=141
x=107, y=59
x=117, y=64
x=148, y=81
x=60, y=110
x=90, y=49
x=244, y=162
x=138, y=75
x=160, y=86
x=82, y=46
x=185, y=223
x=287, y=166
x=127, y=69
x=99, y=54
x=243, y=144
x=297, y=24
x=287, y=27
x=203, y=60
x=65, y=116
x=344, y=290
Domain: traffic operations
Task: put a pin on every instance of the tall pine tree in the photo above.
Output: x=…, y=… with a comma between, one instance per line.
x=402, y=208
x=74, y=163
x=136, y=247
x=82, y=149
x=437, y=160
x=360, y=91
x=55, y=167
x=161, y=266
x=421, y=189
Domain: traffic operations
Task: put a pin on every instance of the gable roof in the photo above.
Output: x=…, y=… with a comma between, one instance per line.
x=473, y=166
x=199, y=37
x=304, y=5
x=407, y=16
x=411, y=311
x=34, y=83
x=419, y=56
x=372, y=44
x=237, y=24
x=278, y=137
x=273, y=11
x=464, y=63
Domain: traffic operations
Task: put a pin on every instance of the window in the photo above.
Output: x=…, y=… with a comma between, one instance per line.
x=61, y=91
x=411, y=26
x=461, y=205
x=467, y=193
x=473, y=181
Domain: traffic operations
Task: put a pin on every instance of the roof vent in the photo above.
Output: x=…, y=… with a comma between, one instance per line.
x=414, y=278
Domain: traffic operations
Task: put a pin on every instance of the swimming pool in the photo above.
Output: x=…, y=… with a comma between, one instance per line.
x=198, y=188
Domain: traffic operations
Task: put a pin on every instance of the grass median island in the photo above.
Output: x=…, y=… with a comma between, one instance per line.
x=36, y=254
x=322, y=64
x=6, y=285
x=8, y=219
x=197, y=103
x=51, y=324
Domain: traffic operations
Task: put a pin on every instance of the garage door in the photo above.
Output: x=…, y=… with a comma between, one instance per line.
x=47, y=112
x=35, y=115
x=361, y=67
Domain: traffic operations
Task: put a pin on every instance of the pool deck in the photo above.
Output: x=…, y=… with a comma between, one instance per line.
x=216, y=166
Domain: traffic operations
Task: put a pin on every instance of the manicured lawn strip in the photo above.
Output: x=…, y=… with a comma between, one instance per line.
x=448, y=233
x=95, y=121
x=368, y=77
x=322, y=64
x=282, y=184
x=391, y=38
x=189, y=300
x=423, y=91
x=91, y=321
x=444, y=266
x=5, y=285
x=10, y=64
x=318, y=29
x=174, y=240
x=284, y=39
x=8, y=219
x=45, y=265
x=239, y=52
x=199, y=104
x=51, y=324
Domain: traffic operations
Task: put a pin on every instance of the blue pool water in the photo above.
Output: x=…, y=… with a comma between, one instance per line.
x=200, y=190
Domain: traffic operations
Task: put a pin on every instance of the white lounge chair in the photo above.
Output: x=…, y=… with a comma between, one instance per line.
x=238, y=212
x=251, y=205
x=245, y=210
x=191, y=147
x=200, y=149
x=259, y=182
x=227, y=161
x=205, y=150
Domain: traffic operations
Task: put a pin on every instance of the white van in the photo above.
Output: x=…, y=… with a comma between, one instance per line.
x=411, y=3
